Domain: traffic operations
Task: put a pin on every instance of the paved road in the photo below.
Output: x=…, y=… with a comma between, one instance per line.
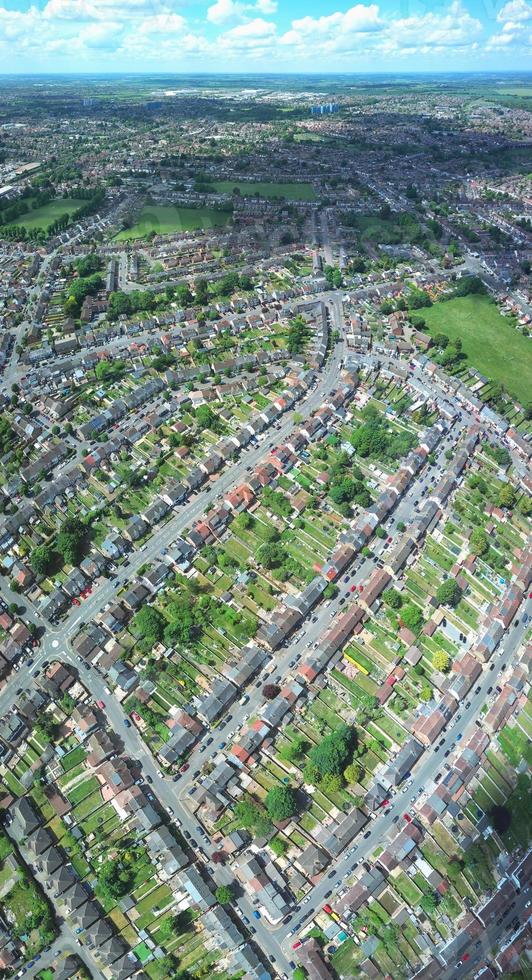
x=65, y=945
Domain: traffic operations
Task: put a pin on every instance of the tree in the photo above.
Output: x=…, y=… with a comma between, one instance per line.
x=281, y=803
x=392, y=598
x=299, y=973
x=454, y=869
x=70, y=540
x=425, y=693
x=478, y=542
x=332, y=755
x=501, y=818
x=224, y=894
x=331, y=783
x=428, y=903
x=506, y=497
x=271, y=691
x=150, y=623
x=353, y=772
x=251, y=817
x=218, y=857
x=295, y=750
x=279, y=846
x=448, y=593
x=410, y=616
x=115, y=879
x=440, y=660
x=41, y=559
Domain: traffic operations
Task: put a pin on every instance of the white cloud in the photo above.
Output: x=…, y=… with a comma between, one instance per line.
x=163, y=24
x=226, y=10
x=106, y=10
x=154, y=33
x=455, y=28
x=257, y=28
x=517, y=11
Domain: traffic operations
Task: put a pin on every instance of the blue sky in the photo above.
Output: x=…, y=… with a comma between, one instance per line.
x=264, y=35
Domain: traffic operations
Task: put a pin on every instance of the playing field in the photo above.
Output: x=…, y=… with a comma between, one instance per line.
x=42, y=217
x=491, y=343
x=292, y=192
x=166, y=220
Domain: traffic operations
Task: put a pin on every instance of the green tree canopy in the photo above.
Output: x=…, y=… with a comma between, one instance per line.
x=224, y=894
x=448, y=593
x=281, y=803
x=334, y=752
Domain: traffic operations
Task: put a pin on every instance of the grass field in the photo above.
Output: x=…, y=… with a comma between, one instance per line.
x=490, y=342
x=165, y=220
x=42, y=217
x=292, y=192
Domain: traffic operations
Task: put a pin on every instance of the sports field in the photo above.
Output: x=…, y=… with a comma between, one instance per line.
x=292, y=192
x=490, y=341
x=42, y=217
x=166, y=220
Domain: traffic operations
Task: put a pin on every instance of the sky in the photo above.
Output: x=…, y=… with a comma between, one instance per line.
x=264, y=35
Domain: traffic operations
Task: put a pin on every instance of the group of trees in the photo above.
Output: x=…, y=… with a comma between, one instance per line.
x=207, y=419
x=228, y=284
x=253, y=818
x=274, y=556
x=328, y=760
x=138, y=301
x=333, y=276
x=67, y=545
x=373, y=440
x=298, y=335
x=346, y=485
x=116, y=877
x=449, y=352
x=78, y=290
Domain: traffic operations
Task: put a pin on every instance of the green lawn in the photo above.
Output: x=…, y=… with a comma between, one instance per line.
x=166, y=219
x=42, y=217
x=292, y=192
x=490, y=342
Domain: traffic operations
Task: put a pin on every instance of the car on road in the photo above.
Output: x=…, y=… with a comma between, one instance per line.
x=331, y=874
x=101, y=704
x=297, y=944
x=184, y=767
x=256, y=914
x=127, y=723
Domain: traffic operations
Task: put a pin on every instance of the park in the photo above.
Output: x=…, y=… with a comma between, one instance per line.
x=290, y=191
x=166, y=220
x=490, y=341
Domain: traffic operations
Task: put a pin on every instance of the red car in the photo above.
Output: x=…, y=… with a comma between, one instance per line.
x=76, y=602
x=327, y=909
x=101, y=704
x=390, y=540
x=353, y=588
x=466, y=957
x=184, y=767
x=385, y=803
x=297, y=944
x=407, y=817
x=361, y=588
